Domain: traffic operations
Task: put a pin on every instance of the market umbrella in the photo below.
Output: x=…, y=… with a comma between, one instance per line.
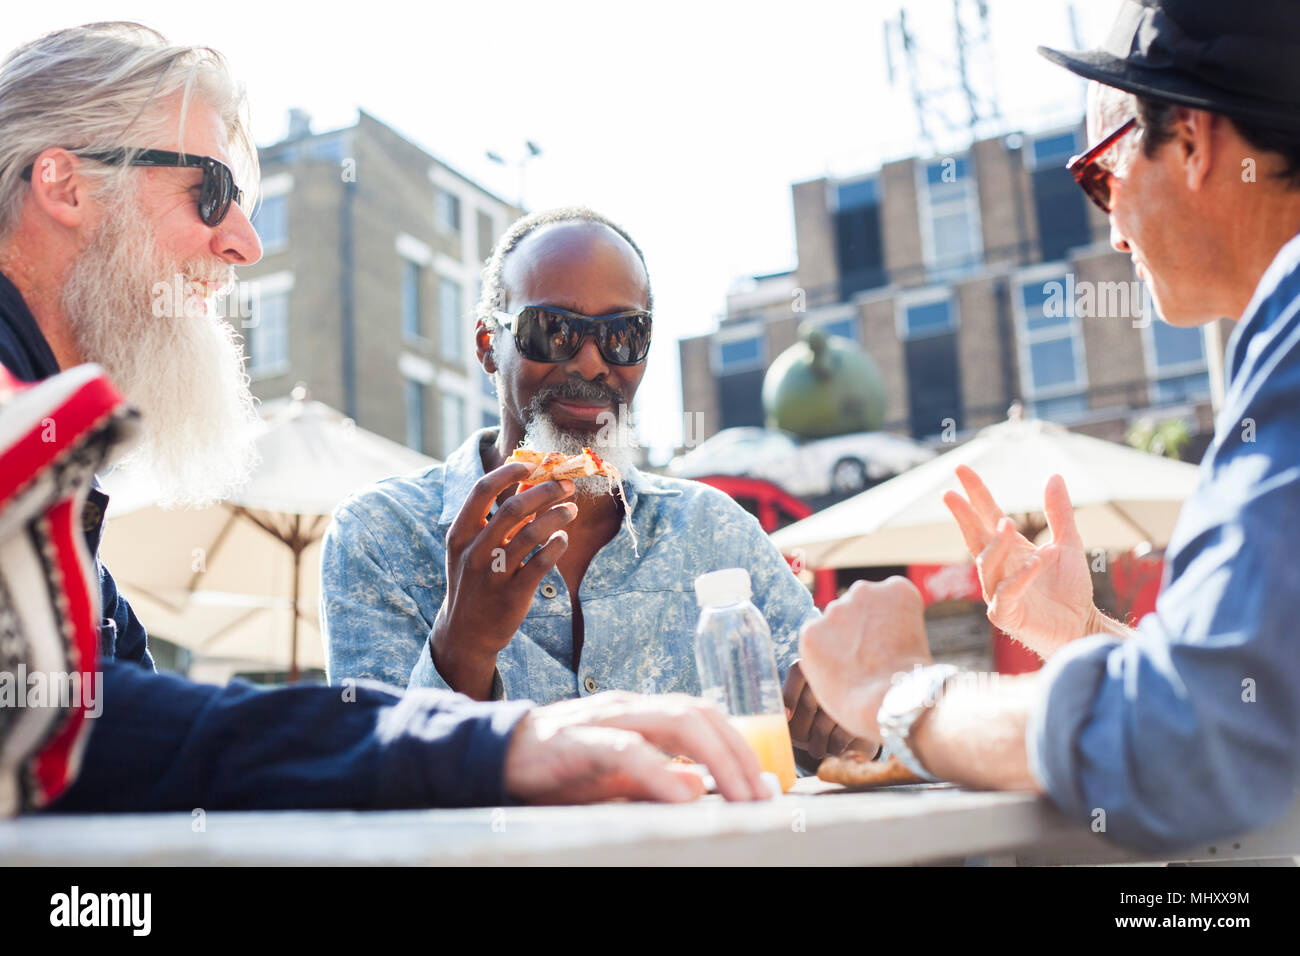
x=240, y=580
x=1123, y=499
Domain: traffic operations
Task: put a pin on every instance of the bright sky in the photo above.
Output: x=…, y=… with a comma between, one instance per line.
x=685, y=121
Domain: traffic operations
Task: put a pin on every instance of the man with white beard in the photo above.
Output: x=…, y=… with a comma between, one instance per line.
x=198, y=406
x=423, y=582
x=119, y=159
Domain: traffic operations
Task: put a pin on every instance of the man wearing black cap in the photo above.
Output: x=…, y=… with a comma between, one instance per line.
x=1189, y=727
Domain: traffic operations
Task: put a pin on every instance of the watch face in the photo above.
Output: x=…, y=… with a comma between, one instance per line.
x=911, y=696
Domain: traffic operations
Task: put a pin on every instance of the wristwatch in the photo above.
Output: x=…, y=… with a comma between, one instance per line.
x=902, y=707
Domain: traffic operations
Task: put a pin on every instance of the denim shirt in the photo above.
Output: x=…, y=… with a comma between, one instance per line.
x=383, y=569
x=1190, y=730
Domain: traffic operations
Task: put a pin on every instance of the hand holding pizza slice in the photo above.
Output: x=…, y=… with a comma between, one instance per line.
x=556, y=466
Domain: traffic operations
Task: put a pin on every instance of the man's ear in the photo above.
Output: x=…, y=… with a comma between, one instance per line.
x=58, y=189
x=1196, y=135
x=483, y=347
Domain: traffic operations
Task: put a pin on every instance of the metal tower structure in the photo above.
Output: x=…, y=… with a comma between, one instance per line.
x=953, y=93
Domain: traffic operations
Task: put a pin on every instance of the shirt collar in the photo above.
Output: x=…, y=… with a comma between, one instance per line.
x=464, y=467
x=40, y=361
x=1283, y=264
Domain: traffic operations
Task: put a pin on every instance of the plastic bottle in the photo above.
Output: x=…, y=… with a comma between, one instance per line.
x=733, y=650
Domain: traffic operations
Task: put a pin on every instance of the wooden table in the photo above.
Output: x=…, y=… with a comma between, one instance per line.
x=817, y=823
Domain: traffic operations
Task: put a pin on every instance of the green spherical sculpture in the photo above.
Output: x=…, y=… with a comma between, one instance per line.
x=823, y=386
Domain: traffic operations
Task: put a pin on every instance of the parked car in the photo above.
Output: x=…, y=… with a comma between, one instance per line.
x=808, y=468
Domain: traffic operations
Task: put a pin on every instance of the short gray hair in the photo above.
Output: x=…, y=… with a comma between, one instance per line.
x=93, y=87
x=493, y=296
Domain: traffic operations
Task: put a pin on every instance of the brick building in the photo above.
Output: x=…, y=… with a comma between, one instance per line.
x=366, y=290
x=973, y=280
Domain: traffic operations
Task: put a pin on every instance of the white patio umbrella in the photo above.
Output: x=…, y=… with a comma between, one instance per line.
x=1122, y=498
x=240, y=580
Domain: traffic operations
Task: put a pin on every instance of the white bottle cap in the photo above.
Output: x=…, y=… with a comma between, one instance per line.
x=729, y=586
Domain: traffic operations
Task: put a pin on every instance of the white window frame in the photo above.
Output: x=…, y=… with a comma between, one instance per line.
x=452, y=383
x=271, y=284
x=459, y=356
x=926, y=296
x=1040, y=274
x=449, y=445
x=738, y=333
x=438, y=200
x=1155, y=374
x=925, y=213
x=274, y=187
x=412, y=250
x=467, y=268
x=408, y=425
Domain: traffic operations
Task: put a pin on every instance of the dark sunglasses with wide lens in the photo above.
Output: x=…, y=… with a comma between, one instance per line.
x=546, y=334
x=1092, y=177
x=216, y=193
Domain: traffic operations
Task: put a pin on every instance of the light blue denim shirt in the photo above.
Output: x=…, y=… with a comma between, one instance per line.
x=1190, y=730
x=383, y=569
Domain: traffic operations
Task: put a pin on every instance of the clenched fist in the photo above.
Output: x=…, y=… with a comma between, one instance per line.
x=852, y=652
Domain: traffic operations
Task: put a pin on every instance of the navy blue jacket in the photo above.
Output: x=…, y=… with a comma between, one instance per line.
x=165, y=743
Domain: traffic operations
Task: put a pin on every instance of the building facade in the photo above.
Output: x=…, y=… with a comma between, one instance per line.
x=973, y=280
x=366, y=290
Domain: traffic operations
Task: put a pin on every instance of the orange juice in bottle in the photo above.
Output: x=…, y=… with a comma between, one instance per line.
x=768, y=735
x=737, y=667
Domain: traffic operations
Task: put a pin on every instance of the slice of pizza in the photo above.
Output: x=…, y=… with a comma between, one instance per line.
x=553, y=465
x=855, y=769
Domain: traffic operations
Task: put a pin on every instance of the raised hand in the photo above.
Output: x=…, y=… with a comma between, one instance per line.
x=1040, y=595
x=490, y=585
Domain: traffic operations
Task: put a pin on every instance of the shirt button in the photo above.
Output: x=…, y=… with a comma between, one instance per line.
x=589, y=682
x=549, y=590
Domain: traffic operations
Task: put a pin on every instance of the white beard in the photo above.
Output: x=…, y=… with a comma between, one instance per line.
x=542, y=434
x=183, y=369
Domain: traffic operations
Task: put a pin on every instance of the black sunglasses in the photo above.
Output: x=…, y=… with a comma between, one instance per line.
x=215, y=195
x=546, y=334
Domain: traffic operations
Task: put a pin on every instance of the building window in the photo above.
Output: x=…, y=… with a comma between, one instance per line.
x=738, y=355
x=949, y=210
x=1052, y=371
x=446, y=213
x=453, y=422
x=1053, y=149
x=271, y=221
x=329, y=149
x=1176, y=360
x=268, y=335
x=859, y=248
x=451, y=320
x=936, y=317
x=928, y=327
x=845, y=328
x=411, y=278
x=1060, y=208
x=414, y=414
